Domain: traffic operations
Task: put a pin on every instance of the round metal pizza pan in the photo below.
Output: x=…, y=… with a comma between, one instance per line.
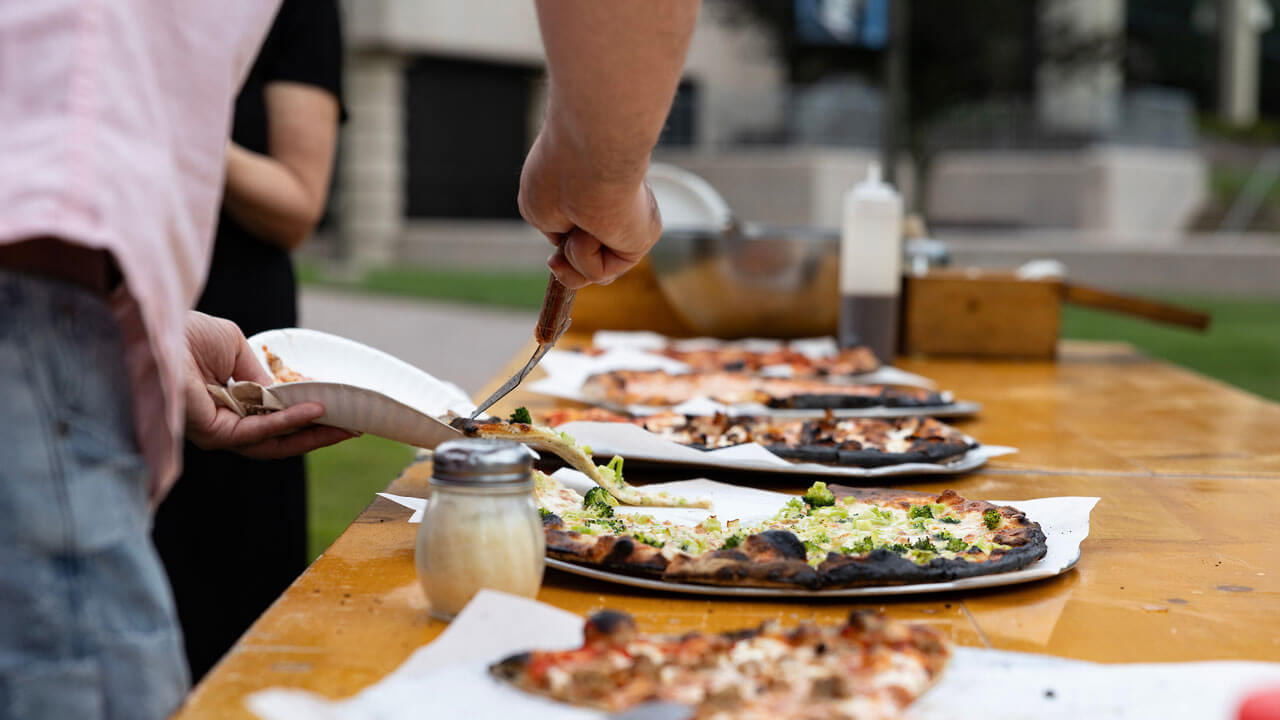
x=1035, y=571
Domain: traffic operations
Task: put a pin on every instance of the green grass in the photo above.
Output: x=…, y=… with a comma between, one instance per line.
x=522, y=289
x=1242, y=347
x=341, y=481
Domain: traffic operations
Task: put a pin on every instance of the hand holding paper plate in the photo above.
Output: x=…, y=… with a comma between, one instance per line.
x=364, y=390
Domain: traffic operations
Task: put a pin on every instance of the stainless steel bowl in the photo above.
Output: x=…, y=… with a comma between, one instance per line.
x=752, y=280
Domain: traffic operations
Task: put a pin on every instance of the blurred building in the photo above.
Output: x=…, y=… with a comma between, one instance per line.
x=444, y=100
x=445, y=97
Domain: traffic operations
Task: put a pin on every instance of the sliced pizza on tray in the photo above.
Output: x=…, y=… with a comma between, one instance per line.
x=850, y=442
x=624, y=388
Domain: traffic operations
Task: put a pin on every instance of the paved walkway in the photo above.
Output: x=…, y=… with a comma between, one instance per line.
x=460, y=343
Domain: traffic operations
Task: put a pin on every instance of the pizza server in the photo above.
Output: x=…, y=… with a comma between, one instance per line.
x=552, y=322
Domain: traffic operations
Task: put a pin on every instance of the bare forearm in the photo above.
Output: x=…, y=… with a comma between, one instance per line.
x=613, y=69
x=268, y=199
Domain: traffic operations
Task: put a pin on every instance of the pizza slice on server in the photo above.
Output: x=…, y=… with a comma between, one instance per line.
x=520, y=428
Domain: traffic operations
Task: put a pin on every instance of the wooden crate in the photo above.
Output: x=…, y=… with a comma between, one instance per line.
x=974, y=313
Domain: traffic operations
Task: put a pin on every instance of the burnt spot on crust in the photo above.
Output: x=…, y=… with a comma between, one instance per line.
x=467, y=426
x=611, y=626
x=730, y=567
x=511, y=668
x=552, y=521
x=820, y=401
x=775, y=545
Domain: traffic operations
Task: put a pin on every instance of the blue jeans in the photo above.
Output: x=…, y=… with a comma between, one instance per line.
x=87, y=623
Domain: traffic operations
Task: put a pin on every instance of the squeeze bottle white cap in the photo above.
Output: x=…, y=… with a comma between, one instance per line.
x=873, y=186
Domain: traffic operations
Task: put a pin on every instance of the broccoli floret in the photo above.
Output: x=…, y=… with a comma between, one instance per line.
x=923, y=544
x=920, y=511
x=648, y=539
x=543, y=512
x=880, y=513
x=819, y=496
x=950, y=520
x=863, y=546
x=991, y=519
x=956, y=545
x=732, y=542
x=614, y=525
x=521, y=415
x=599, y=502
x=897, y=547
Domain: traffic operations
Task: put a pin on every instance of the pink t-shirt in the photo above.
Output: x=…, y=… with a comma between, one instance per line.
x=115, y=116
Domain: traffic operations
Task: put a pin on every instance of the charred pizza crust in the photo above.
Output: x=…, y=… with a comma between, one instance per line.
x=870, y=668
x=777, y=558
x=622, y=388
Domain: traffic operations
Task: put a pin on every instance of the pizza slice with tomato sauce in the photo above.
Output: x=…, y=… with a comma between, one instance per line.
x=869, y=668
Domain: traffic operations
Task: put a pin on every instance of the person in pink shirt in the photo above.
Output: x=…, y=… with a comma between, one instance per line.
x=116, y=115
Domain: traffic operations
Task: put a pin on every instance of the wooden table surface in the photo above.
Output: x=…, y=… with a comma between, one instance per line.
x=1182, y=561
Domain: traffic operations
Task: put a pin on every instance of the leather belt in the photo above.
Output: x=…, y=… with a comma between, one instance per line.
x=88, y=268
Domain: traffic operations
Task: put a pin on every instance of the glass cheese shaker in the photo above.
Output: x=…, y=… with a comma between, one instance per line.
x=480, y=529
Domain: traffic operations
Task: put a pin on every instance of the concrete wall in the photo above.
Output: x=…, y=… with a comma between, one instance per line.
x=1151, y=192
x=781, y=185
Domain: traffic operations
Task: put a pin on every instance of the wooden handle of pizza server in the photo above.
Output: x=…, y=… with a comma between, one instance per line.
x=1136, y=306
x=554, y=319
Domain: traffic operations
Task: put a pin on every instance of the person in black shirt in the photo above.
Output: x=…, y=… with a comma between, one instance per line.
x=233, y=532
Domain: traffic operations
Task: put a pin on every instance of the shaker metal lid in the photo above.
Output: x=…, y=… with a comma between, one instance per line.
x=481, y=461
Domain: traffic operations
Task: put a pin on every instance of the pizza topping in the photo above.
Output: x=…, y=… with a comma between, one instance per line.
x=280, y=372
x=991, y=519
x=819, y=496
x=521, y=415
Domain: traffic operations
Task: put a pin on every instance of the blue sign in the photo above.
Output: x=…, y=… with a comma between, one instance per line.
x=860, y=23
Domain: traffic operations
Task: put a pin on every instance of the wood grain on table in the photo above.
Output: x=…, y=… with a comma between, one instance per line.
x=1182, y=562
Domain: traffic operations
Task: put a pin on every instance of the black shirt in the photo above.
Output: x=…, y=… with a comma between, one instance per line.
x=251, y=281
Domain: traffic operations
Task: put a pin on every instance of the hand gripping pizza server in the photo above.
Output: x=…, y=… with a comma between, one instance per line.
x=553, y=321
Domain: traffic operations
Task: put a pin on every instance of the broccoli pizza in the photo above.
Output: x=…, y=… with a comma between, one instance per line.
x=832, y=537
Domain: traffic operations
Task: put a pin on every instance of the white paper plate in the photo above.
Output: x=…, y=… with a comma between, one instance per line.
x=633, y=442
x=363, y=389
x=687, y=202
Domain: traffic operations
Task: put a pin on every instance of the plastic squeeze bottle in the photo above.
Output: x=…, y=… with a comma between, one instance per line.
x=871, y=266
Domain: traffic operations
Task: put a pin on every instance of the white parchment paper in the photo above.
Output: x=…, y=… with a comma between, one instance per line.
x=448, y=679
